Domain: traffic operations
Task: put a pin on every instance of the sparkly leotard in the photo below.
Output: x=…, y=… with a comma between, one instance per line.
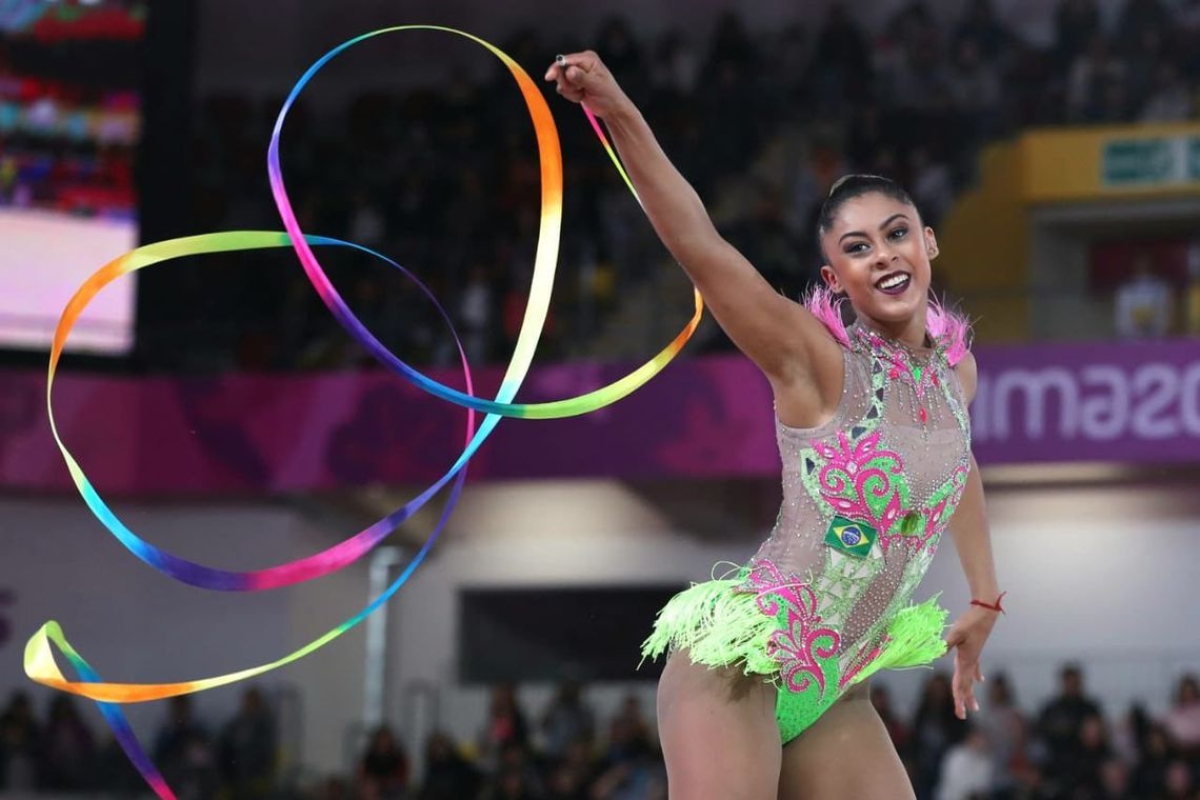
x=825, y=601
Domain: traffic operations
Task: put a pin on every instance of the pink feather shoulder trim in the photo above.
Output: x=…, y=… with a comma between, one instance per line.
x=952, y=331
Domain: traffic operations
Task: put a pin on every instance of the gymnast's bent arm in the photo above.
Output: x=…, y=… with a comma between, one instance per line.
x=972, y=540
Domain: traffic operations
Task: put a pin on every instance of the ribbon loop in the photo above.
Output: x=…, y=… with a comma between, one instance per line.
x=40, y=664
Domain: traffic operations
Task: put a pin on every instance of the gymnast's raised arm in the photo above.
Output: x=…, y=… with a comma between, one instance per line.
x=779, y=335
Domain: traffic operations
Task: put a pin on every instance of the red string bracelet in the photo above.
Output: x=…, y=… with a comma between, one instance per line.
x=991, y=606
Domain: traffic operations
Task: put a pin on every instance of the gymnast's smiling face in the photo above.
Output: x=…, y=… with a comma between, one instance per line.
x=878, y=253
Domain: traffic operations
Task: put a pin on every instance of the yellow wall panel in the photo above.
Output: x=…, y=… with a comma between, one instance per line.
x=1110, y=162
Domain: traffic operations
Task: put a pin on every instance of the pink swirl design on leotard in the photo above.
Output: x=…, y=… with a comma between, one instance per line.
x=858, y=480
x=796, y=646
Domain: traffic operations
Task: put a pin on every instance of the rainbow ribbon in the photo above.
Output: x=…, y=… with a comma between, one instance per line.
x=40, y=663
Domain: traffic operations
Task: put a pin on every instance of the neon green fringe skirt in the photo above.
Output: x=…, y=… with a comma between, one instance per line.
x=777, y=634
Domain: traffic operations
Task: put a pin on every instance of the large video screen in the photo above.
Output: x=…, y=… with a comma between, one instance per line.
x=70, y=122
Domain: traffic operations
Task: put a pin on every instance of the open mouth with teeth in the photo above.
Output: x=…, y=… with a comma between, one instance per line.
x=893, y=283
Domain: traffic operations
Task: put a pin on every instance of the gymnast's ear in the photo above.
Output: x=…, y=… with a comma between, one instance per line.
x=829, y=275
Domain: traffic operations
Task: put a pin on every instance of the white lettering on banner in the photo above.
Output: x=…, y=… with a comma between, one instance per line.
x=1097, y=402
x=1190, y=400
x=1105, y=415
x=1034, y=387
x=1161, y=384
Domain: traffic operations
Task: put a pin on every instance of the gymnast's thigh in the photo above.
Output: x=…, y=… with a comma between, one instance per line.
x=718, y=732
x=845, y=755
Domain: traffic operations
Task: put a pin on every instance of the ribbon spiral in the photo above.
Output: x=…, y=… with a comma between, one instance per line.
x=40, y=663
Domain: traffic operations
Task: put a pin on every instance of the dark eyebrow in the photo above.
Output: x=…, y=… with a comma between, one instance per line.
x=886, y=222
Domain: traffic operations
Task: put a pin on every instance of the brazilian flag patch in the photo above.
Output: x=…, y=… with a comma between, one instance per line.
x=852, y=538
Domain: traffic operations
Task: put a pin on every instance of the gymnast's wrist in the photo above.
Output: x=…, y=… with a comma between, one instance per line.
x=990, y=602
x=624, y=116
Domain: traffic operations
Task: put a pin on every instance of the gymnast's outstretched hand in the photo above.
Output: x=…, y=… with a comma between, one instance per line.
x=583, y=78
x=967, y=636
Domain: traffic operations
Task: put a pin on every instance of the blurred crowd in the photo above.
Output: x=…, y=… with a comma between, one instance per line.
x=1068, y=749
x=60, y=753
x=70, y=118
x=445, y=178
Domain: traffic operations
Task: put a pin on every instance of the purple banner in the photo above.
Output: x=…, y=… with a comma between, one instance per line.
x=1130, y=402
x=702, y=418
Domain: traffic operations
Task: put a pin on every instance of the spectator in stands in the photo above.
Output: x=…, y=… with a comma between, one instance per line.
x=765, y=239
x=447, y=775
x=1004, y=725
x=968, y=770
x=841, y=63
x=1138, y=16
x=333, y=788
x=567, y=783
x=184, y=752
x=1187, y=31
x=511, y=785
x=730, y=47
x=1193, y=289
x=981, y=28
x=1150, y=774
x=1117, y=104
x=515, y=775
x=920, y=73
x=567, y=721
x=385, y=764
x=1115, y=783
x=1183, y=720
x=676, y=67
x=248, y=749
x=506, y=725
x=1060, y=724
x=630, y=768
x=1180, y=784
x=1077, y=766
x=1170, y=98
x=974, y=83
x=179, y=728
x=616, y=37
x=632, y=717
x=367, y=225
x=1077, y=22
x=1143, y=303
x=20, y=745
x=1092, y=72
x=1145, y=52
x=935, y=730
x=1129, y=736
x=476, y=315
x=932, y=185
x=68, y=749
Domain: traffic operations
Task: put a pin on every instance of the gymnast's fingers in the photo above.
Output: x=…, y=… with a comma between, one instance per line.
x=572, y=93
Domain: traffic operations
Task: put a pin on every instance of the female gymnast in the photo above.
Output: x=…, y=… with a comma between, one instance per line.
x=764, y=693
